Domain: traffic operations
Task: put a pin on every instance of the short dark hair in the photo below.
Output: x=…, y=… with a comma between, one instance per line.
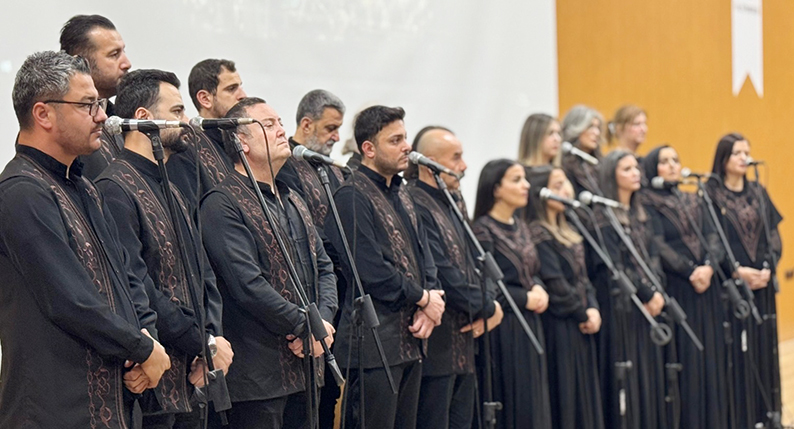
x=204, y=75
x=239, y=110
x=43, y=76
x=141, y=88
x=74, y=34
x=314, y=103
x=724, y=151
x=412, y=172
x=370, y=121
x=490, y=176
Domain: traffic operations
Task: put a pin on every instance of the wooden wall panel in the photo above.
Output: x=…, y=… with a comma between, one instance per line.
x=673, y=58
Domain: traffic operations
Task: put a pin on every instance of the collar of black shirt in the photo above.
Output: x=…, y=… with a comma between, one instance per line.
x=73, y=172
x=142, y=164
x=380, y=181
x=436, y=193
x=283, y=189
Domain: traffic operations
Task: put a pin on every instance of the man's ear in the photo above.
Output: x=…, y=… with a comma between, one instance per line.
x=43, y=115
x=305, y=125
x=368, y=149
x=142, y=113
x=204, y=99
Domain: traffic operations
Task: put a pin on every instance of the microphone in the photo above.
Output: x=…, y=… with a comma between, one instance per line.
x=419, y=159
x=546, y=194
x=224, y=123
x=302, y=152
x=659, y=183
x=115, y=125
x=687, y=173
x=750, y=162
x=567, y=148
x=587, y=197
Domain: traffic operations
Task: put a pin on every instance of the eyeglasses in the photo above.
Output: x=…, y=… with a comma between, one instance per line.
x=93, y=106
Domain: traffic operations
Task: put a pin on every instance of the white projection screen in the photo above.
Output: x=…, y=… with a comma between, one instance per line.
x=479, y=68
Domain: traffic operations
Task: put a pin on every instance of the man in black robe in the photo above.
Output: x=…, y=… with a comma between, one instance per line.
x=319, y=118
x=215, y=86
x=73, y=318
x=396, y=268
x=262, y=314
x=132, y=186
x=96, y=39
x=446, y=399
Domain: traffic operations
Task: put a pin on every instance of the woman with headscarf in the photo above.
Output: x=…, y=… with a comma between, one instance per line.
x=624, y=336
x=744, y=207
x=573, y=317
x=692, y=281
x=520, y=374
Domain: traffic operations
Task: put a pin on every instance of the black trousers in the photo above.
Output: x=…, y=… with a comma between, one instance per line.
x=190, y=420
x=288, y=412
x=329, y=395
x=383, y=409
x=446, y=402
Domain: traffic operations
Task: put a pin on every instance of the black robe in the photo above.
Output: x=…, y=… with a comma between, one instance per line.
x=741, y=219
x=574, y=388
x=703, y=377
x=260, y=305
x=132, y=187
x=394, y=262
x=520, y=375
x=70, y=309
x=625, y=333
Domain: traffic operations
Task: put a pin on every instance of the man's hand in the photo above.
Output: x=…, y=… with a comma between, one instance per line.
x=223, y=358
x=135, y=379
x=477, y=327
x=655, y=305
x=537, y=299
x=296, y=346
x=198, y=368
x=435, y=306
x=331, y=331
x=423, y=325
x=157, y=363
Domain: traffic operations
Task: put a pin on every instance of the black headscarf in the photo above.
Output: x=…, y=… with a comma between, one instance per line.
x=650, y=165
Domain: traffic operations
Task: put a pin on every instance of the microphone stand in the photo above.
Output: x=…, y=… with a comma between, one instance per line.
x=314, y=322
x=732, y=298
x=660, y=333
x=363, y=315
x=220, y=394
x=489, y=269
x=773, y=414
x=674, y=309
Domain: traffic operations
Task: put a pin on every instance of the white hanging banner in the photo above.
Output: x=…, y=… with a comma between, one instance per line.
x=748, y=44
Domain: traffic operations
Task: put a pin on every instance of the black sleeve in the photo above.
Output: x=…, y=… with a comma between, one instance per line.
x=382, y=280
x=620, y=257
x=671, y=261
x=773, y=219
x=328, y=301
x=232, y=251
x=517, y=292
x=564, y=300
x=428, y=263
x=213, y=303
x=176, y=325
x=460, y=294
x=33, y=234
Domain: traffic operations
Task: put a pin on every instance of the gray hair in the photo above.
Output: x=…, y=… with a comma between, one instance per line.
x=43, y=76
x=314, y=103
x=577, y=120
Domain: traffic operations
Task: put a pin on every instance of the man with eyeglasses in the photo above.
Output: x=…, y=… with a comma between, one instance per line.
x=96, y=39
x=74, y=321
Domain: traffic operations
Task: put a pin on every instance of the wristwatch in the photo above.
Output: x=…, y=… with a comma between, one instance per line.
x=212, y=345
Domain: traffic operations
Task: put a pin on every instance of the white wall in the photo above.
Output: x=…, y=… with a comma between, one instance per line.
x=476, y=67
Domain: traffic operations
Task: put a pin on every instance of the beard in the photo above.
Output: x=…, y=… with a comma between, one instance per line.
x=175, y=141
x=324, y=148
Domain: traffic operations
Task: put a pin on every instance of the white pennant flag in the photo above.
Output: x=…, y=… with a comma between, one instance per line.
x=748, y=44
